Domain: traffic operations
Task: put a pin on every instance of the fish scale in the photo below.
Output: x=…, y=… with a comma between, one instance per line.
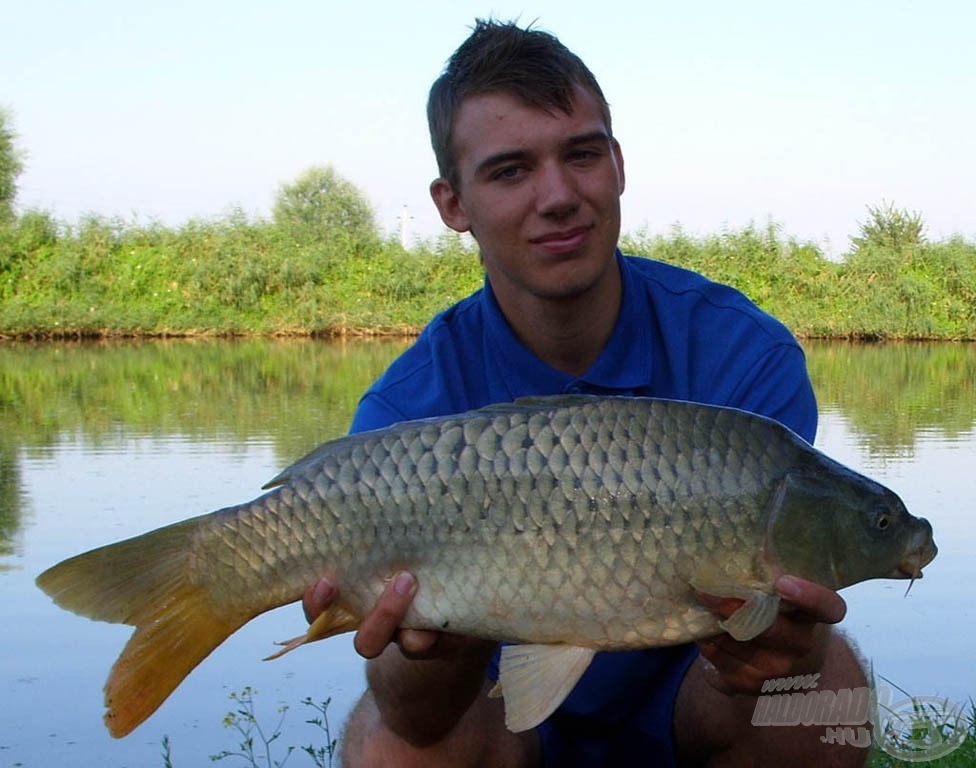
x=568, y=524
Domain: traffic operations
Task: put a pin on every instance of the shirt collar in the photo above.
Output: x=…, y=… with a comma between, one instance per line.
x=623, y=366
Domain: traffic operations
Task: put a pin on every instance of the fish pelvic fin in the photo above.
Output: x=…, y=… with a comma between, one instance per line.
x=335, y=620
x=144, y=582
x=535, y=679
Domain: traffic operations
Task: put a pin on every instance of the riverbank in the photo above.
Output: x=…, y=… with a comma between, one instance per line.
x=240, y=277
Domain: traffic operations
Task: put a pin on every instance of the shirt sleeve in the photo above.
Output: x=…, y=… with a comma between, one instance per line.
x=778, y=386
x=375, y=412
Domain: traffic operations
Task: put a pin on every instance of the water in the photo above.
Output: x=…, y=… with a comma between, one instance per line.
x=99, y=442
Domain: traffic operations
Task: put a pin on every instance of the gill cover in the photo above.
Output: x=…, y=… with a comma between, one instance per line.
x=837, y=528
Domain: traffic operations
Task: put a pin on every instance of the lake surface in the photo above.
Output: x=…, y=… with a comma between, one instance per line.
x=103, y=441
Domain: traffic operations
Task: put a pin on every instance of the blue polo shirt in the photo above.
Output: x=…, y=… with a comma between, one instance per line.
x=678, y=335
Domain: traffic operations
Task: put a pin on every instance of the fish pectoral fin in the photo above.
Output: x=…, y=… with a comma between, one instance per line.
x=335, y=620
x=535, y=679
x=755, y=616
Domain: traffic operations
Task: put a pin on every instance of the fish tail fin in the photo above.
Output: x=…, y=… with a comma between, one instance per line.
x=160, y=654
x=144, y=582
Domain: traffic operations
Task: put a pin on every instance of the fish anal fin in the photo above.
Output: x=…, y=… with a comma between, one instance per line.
x=535, y=679
x=335, y=620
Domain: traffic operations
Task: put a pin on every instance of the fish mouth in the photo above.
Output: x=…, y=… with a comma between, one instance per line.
x=911, y=566
x=907, y=570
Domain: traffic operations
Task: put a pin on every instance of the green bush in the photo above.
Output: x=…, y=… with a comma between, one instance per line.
x=294, y=275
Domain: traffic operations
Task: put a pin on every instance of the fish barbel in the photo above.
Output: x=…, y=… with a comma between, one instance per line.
x=563, y=525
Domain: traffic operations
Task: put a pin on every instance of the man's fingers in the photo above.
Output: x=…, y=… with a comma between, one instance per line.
x=417, y=643
x=735, y=667
x=742, y=667
x=819, y=603
x=804, y=602
x=379, y=627
x=318, y=597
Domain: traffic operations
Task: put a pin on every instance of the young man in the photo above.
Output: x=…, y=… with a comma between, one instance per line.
x=529, y=166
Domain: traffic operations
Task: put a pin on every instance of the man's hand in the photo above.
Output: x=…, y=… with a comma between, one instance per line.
x=427, y=701
x=793, y=645
x=712, y=727
x=381, y=626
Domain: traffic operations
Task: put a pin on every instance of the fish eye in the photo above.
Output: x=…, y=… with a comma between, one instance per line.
x=882, y=518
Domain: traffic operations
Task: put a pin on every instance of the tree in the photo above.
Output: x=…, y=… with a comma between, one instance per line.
x=321, y=205
x=11, y=165
x=890, y=228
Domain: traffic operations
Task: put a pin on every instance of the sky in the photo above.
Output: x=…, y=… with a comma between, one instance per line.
x=803, y=114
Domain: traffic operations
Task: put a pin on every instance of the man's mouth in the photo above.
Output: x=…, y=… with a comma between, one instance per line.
x=564, y=240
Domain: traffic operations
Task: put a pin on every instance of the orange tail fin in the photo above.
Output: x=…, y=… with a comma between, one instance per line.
x=143, y=582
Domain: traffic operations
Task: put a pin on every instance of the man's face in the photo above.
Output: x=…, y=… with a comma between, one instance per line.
x=540, y=193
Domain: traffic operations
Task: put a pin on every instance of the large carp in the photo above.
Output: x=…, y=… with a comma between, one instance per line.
x=565, y=525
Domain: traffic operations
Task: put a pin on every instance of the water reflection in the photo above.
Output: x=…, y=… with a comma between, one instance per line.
x=100, y=441
x=891, y=394
x=236, y=389
x=298, y=393
x=10, y=497
x=293, y=394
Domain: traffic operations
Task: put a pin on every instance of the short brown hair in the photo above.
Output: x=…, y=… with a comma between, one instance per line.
x=529, y=64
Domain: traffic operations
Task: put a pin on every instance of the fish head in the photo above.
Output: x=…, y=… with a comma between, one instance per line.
x=836, y=527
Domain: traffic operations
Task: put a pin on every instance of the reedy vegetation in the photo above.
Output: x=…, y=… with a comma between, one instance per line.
x=320, y=266
x=11, y=166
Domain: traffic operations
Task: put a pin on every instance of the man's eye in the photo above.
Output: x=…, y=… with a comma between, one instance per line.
x=583, y=155
x=508, y=173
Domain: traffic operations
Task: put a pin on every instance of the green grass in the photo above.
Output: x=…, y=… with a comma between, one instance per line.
x=880, y=290
x=227, y=277
x=258, y=745
x=244, y=276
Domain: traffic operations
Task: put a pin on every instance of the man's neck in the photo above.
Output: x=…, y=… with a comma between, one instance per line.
x=567, y=334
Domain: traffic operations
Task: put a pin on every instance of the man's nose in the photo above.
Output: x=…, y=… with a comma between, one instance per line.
x=556, y=191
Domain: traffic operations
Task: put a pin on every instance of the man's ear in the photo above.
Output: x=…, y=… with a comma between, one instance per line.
x=449, y=205
x=619, y=156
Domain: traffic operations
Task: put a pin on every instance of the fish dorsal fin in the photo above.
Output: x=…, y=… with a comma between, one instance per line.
x=314, y=458
x=535, y=403
x=535, y=679
x=317, y=455
x=756, y=614
x=555, y=401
